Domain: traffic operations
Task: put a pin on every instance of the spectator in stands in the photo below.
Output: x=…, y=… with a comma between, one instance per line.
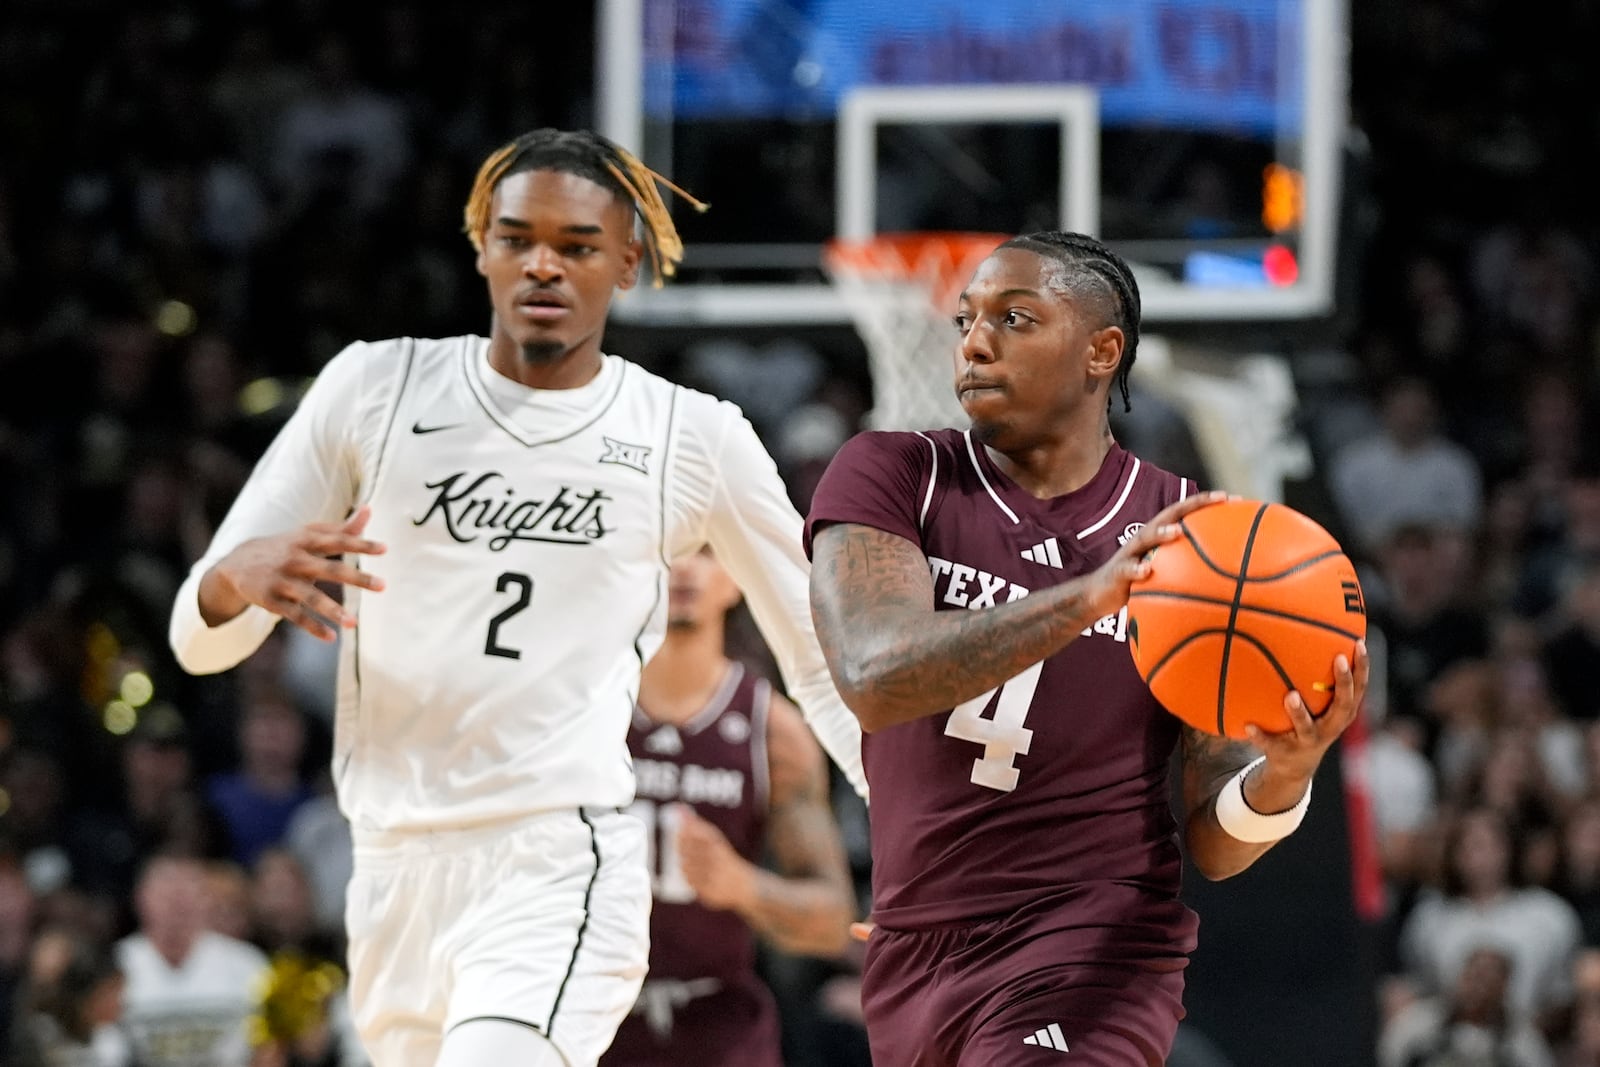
x=228, y=904
x=189, y=991
x=1536, y=276
x=42, y=666
x=1404, y=790
x=70, y=1012
x=319, y=837
x=1526, y=702
x=1551, y=437
x=155, y=810
x=251, y=91
x=213, y=375
x=1471, y=1024
x=1578, y=1039
x=1408, y=475
x=340, y=139
x=1558, y=566
x=1577, y=877
x=1418, y=607
x=282, y=909
x=257, y=801
x=1512, y=780
x=1503, y=543
x=35, y=818
x=1478, y=904
x=1459, y=719
x=1572, y=656
x=18, y=909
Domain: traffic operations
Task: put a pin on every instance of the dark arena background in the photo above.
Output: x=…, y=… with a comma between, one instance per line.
x=1367, y=236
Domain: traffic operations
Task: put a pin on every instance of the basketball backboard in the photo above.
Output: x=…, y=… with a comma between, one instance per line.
x=1199, y=137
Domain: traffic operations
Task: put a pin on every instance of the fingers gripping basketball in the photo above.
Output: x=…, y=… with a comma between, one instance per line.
x=1254, y=600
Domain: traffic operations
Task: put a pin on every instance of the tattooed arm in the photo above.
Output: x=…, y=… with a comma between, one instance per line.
x=894, y=658
x=806, y=906
x=1276, y=785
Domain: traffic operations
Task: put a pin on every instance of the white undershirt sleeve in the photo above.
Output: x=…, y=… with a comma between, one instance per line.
x=755, y=532
x=310, y=473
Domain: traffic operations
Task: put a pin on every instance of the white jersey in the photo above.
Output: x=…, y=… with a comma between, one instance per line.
x=195, y=1014
x=528, y=535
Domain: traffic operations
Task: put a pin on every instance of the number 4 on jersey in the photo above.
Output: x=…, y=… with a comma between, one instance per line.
x=1003, y=737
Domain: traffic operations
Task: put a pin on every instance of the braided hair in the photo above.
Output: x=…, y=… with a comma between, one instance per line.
x=1093, y=271
x=600, y=160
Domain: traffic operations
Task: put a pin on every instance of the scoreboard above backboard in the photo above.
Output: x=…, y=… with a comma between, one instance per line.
x=1218, y=65
x=1214, y=165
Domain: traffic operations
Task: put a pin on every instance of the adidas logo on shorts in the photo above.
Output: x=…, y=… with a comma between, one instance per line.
x=1049, y=1037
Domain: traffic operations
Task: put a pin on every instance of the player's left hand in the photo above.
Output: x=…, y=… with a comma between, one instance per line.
x=1297, y=752
x=719, y=876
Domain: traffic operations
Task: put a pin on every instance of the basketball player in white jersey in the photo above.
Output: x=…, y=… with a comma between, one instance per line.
x=500, y=512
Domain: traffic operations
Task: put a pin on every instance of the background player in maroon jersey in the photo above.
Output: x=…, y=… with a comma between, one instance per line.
x=1025, y=857
x=727, y=771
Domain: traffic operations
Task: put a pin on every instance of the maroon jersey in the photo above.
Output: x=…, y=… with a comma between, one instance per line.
x=702, y=1001
x=1052, y=789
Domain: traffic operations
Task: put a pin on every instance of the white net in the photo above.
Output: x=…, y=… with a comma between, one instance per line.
x=901, y=292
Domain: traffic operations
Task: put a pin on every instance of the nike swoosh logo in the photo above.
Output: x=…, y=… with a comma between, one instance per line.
x=417, y=427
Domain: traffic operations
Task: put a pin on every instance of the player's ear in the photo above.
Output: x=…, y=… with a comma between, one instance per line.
x=630, y=264
x=481, y=261
x=1105, y=354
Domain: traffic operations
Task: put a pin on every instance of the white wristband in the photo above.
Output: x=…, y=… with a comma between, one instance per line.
x=1245, y=823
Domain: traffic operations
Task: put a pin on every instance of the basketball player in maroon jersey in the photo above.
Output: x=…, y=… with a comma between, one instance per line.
x=1025, y=858
x=727, y=772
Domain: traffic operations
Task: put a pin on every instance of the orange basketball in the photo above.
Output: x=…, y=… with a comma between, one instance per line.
x=1253, y=601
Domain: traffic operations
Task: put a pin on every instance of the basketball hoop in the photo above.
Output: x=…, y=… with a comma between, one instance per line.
x=901, y=290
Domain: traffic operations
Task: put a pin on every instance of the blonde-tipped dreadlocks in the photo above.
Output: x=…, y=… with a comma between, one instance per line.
x=591, y=156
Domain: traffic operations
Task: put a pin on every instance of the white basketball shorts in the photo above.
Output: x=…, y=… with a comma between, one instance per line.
x=544, y=923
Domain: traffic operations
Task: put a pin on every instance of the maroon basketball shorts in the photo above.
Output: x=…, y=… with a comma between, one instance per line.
x=996, y=995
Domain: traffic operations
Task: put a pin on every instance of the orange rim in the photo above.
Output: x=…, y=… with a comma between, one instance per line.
x=941, y=259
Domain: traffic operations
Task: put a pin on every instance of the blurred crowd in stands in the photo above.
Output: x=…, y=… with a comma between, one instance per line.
x=1468, y=478
x=199, y=204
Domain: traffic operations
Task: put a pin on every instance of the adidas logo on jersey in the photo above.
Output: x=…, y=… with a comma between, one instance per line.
x=1047, y=552
x=1049, y=1037
x=1129, y=532
x=664, y=742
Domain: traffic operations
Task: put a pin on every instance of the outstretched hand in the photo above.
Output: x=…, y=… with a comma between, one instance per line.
x=281, y=572
x=1106, y=589
x=1298, y=751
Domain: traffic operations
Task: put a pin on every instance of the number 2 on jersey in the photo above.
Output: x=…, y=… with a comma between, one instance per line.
x=1003, y=737
x=524, y=584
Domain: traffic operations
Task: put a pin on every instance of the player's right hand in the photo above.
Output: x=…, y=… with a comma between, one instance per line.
x=281, y=572
x=1106, y=589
